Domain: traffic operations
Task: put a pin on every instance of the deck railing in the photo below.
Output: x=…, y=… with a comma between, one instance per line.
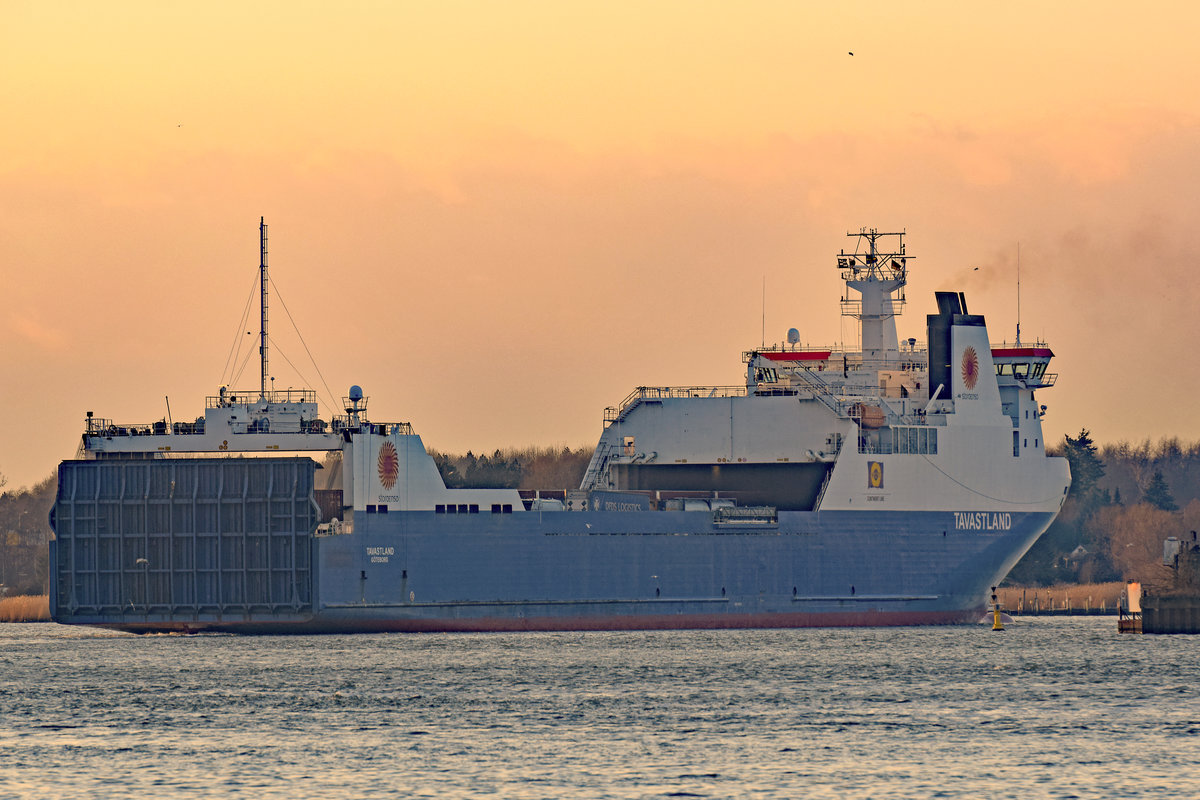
x=614, y=413
x=249, y=397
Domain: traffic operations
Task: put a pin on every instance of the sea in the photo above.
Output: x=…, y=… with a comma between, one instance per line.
x=1052, y=707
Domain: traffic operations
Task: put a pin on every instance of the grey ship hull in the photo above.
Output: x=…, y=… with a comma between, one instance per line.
x=230, y=544
x=622, y=570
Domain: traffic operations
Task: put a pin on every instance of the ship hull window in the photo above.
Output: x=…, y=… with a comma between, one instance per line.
x=914, y=439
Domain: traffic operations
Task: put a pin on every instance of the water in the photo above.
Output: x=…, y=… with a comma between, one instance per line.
x=1052, y=707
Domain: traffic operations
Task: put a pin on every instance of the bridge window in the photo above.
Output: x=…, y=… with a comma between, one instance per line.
x=1020, y=370
x=914, y=439
x=766, y=375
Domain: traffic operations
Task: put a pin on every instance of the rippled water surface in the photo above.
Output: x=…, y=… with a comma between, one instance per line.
x=1052, y=707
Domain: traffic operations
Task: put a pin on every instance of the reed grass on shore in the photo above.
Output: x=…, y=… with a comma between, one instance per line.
x=1079, y=596
x=25, y=608
x=36, y=608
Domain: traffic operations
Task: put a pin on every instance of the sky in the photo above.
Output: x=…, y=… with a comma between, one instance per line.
x=499, y=218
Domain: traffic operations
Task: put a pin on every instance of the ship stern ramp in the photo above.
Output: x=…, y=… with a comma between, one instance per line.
x=184, y=544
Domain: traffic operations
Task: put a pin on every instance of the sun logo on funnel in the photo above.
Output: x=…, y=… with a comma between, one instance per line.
x=389, y=465
x=970, y=367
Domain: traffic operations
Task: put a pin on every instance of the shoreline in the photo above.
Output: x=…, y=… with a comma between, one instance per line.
x=1089, y=599
x=25, y=608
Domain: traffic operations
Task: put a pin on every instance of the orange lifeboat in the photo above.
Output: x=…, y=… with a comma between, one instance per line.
x=869, y=416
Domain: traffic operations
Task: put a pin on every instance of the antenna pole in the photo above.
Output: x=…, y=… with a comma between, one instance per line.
x=764, y=312
x=1018, y=293
x=262, y=332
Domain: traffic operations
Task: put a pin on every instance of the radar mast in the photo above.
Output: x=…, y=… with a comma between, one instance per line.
x=877, y=275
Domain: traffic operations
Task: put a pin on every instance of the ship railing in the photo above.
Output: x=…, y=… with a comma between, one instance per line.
x=912, y=356
x=1043, y=381
x=252, y=396
x=843, y=400
x=847, y=401
x=1006, y=345
x=854, y=406
x=596, y=466
x=345, y=423
x=850, y=401
x=824, y=486
x=798, y=350
x=335, y=527
x=95, y=426
x=853, y=307
x=819, y=387
x=614, y=413
x=107, y=428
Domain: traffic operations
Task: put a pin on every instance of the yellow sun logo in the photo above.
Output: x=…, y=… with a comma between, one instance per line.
x=875, y=474
x=389, y=465
x=970, y=367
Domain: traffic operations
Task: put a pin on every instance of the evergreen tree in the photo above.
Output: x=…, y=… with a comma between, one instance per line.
x=1158, y=494
x=1086, y=467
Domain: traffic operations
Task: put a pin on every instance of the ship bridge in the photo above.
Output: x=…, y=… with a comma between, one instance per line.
x=1023, y=365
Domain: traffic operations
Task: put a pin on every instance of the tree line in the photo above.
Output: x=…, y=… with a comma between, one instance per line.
x=1125, y=500
x=24, y=534
x=515, y=468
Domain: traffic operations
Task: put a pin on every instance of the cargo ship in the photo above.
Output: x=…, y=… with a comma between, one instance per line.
x=891, y=484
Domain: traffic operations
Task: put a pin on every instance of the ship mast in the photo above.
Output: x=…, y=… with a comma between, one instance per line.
x=1018, y=294
x=262, y=331
x=876, y=275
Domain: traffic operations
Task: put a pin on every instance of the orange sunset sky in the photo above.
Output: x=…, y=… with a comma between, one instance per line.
x=500, y=217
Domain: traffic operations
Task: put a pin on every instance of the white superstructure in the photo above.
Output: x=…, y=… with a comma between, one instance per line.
x=951, y=423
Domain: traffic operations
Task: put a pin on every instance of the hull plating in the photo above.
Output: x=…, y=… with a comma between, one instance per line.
x=422, y=571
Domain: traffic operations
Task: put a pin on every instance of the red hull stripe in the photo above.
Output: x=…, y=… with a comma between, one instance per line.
x=1022, y=352
x=810, y=355
x=600, y=623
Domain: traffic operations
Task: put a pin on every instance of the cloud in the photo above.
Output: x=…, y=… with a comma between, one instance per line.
x=37, y=333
